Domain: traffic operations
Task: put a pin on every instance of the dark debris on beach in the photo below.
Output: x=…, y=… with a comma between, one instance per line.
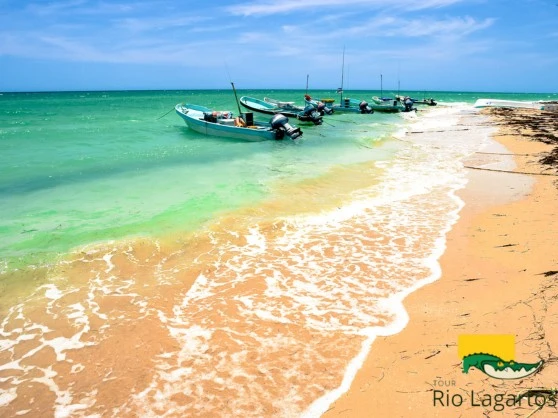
x=538, y=125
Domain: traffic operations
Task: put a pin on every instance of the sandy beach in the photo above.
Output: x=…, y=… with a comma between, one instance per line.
x=499, y=275
x=267, y=309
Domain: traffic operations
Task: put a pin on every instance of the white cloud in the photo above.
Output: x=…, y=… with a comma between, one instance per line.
x=54, y=7
x=160, y=23
x=458, y=26
x=80, y=7
x=377, y=28
x=269, y=7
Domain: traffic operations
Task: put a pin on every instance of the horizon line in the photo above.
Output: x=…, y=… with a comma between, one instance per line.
x=259, y=88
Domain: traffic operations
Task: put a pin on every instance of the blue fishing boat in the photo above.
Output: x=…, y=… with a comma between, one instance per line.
x=243, y=127
x=428, y=102
x=347, y=105
x=272, y=107
x=387, y=105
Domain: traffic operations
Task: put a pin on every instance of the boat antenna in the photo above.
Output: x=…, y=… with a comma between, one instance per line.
x=236, y=98
x=342, y=72
x=307, y=75
x=398, y=77
x=381, y=87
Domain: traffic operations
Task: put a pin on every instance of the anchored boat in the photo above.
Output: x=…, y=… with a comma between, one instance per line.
x=243, y=127
x=289, y=109
x=510, y=103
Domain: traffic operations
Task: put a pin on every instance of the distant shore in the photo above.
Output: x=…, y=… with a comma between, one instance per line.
x=499, y=274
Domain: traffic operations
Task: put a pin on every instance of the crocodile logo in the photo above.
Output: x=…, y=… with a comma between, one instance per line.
x=494, y=355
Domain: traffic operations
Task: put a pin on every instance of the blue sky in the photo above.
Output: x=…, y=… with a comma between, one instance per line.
x=427, y=45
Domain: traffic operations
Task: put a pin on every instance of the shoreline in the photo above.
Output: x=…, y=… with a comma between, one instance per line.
x=498, y=256
x=122, y=321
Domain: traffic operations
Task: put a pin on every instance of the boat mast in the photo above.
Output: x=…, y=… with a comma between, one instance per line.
x=236, y=98
x=307, y=75
x=342, y=73
x=398, y=79
x=381, y=87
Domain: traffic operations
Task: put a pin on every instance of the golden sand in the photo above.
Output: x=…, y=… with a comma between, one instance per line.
x=499, y=276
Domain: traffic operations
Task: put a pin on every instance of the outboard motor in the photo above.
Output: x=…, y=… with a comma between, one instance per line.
x=310, y=113
x=408, y=104
x=281, y=123
x=323, y=109
x=364, y=108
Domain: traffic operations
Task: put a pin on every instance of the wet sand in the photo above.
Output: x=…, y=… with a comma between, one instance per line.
x=499, y=276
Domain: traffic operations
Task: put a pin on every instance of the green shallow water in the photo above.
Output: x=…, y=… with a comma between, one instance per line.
x=83, y=167
x=300, y=278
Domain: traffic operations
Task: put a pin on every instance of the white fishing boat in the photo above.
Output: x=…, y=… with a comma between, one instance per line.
x=480, y=103
x=243, y=127
x=272, y=107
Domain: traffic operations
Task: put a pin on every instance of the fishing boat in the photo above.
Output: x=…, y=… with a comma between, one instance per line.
x=428, y=102
x=346, y=105
x=387, y=105
x=243, y=127
x=289, y=109
x=287, y=106
x=380, y=100
x=480, y=103
x=319, y=106
x=353, y=105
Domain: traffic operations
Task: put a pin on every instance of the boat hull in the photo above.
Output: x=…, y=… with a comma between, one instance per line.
x=480, y=103
x=264, y=107
x=427, y=102
x=345, y=109
x=386, y=105
x=387, y=108
x=267, y=106
x=193, y=116
x=353, y=106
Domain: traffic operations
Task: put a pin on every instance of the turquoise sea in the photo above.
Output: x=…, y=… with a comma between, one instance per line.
x=148, y=270
x=81, y=167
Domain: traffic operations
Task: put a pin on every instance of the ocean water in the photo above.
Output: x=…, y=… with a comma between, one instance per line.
x=148, y=270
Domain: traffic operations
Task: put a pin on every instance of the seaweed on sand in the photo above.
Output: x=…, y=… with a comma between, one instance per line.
x=538, y=125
